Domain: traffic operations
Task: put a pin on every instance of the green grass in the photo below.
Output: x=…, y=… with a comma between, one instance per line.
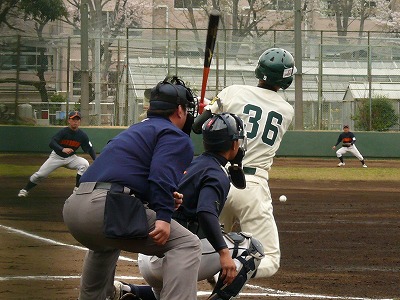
x=277, y=172
x=335, y=174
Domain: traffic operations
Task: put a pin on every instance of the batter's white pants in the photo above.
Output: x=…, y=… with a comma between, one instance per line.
x=253, y=207
x=55, y=161
x=352, y=149
x=151, y=267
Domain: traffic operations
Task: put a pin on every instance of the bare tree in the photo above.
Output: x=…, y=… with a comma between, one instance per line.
x=388, y=15
x=108, y=20
x=345, y=12
x=254, y=18
x=40, y=12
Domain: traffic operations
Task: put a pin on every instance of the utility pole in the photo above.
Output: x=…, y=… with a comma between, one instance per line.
x=298, y=77
x=84, y=63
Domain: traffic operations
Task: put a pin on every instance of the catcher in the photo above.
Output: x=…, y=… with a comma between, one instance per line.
x=205, y=186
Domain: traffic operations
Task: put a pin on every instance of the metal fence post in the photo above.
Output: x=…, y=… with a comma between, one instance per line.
x=18, y=66
x=176, y=51
x=320, y=70
x=369, y=72
x=298, y=118
x=68, y=67
x=84, y=64
x=127, y=79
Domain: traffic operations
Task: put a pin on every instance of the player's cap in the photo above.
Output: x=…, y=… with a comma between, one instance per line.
x=345, y=126
x=74, y=114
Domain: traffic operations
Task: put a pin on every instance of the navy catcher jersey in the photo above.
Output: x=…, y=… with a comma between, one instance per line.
x=149, y=158
x=205, y=186
x=68, y=138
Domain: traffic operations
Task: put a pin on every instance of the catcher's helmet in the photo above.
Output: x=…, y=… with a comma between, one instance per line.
x=276, y=67
x=220, y=130
x=170, y=93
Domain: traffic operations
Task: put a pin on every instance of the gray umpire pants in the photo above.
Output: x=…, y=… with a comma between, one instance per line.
x=83, y=214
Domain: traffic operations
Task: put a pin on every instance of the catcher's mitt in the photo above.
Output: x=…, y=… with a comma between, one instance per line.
x=346, y=144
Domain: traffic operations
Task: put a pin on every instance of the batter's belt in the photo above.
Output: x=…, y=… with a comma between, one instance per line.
x=256, y=171
x=249, y=170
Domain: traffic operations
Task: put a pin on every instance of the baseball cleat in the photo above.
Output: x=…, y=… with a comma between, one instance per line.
x=23, y=193
x=341, y=164
x=120, y=294
x=75, y=189
x=365, y=166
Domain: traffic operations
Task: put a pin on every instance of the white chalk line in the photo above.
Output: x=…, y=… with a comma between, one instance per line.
x=53, y=242
x=266, y=292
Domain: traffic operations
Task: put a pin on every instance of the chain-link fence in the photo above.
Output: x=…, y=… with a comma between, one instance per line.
x=41, y=81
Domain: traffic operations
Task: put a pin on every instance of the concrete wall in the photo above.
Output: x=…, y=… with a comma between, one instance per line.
x=295, y=143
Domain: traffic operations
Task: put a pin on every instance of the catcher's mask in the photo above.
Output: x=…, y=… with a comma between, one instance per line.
x=218, y=134
x=221, y=130
x=170, y=93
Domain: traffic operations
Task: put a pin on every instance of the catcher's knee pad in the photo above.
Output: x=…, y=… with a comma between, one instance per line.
x=249, y=259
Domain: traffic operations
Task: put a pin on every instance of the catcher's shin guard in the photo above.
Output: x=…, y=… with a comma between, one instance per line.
x=249, y=259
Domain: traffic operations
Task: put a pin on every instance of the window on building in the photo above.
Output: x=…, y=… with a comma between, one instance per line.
x=29, y=59
x=189, y=3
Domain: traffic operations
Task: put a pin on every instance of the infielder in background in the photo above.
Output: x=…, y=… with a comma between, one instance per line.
x=266, y=116
x=348, y=140
x=205, y=186
x=64, y=144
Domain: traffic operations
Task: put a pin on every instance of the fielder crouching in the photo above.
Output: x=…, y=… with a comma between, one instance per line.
x=205, y=186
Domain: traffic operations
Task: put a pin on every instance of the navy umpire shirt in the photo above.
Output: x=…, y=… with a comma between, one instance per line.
x=149, y=158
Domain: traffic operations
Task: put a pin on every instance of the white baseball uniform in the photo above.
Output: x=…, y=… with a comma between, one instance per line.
x=266, y=116
x=352, y=149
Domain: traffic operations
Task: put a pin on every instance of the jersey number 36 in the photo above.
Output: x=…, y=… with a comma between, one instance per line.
x=271, y=128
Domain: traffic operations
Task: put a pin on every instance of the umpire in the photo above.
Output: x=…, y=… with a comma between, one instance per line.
x=143, y=164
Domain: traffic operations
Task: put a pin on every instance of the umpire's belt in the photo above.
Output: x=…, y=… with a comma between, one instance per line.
x=113, y=187
x=88, y=187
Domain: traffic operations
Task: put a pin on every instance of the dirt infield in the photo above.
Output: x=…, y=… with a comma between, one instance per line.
x=338, y=239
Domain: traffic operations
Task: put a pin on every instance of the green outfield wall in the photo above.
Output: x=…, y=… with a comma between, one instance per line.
x=295, y=143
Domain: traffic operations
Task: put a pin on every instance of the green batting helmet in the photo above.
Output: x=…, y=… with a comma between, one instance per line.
x=276, y=67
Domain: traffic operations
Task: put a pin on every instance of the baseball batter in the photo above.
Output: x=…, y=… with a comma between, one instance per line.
x=205, y=186
x=266, y=116
x=64, y=144
x=348, y=140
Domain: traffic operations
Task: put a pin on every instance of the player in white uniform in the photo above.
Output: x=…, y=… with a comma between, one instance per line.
x=266, y=116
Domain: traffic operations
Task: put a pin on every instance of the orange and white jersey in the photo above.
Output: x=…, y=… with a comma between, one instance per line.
x=266, y=116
